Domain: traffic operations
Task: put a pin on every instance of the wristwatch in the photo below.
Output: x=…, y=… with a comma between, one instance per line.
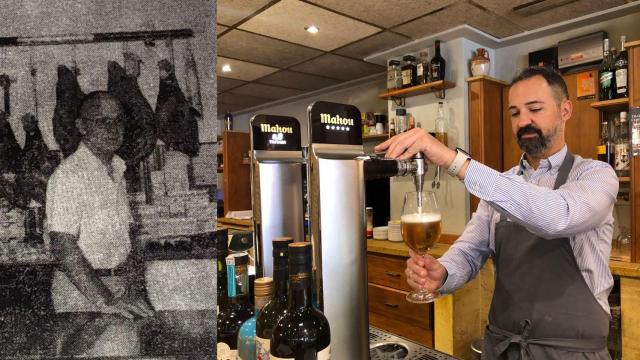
x=461, y=157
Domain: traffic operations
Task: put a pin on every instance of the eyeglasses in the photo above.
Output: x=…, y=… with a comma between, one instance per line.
x=106, y=121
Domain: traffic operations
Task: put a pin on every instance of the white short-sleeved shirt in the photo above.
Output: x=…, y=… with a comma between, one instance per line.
x=82, y=200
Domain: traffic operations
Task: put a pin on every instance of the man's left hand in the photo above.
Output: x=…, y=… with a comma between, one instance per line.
x=406, y=145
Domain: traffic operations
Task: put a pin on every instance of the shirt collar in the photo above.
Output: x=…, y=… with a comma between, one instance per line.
x=553, y=162
x=89, y=159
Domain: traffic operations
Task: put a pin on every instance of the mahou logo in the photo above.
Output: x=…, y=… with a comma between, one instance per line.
x=335, y=120
x=268, y=128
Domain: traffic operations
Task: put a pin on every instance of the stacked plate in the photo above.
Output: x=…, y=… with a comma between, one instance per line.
x=394, y=230
x=380, y=233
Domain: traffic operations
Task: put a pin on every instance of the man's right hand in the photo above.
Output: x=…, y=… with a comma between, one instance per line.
x=424, y=272
x=127, y=307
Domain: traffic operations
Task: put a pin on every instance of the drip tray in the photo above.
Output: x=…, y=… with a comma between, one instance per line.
x=386, y=346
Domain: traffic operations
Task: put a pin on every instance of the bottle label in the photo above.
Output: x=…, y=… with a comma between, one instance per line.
x=621, y=81
x=635, y=137
x=224, y=352
x=601, y=149
x=605, y=79
x=420, y=70
x=262, y=348
x=622, y=156
x=324, y=354
x=406, y=77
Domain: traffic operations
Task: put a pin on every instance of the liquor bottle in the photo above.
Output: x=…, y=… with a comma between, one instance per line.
x=409, y=73
x=606, y=148
x=303, y=332
x=392, y=127
x=394, y=75
x=276, y=308
x=634, y=124
x=239, y=309
x=438, y=65
x=441, y=125
x=401, y=120
x=606, y=78
x=621, y=66
x=622, y=146
x=422, y=69
x=228, y=121
x=247, y=340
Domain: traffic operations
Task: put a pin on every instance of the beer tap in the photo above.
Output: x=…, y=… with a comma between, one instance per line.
x=378, y=167
x=421, y=171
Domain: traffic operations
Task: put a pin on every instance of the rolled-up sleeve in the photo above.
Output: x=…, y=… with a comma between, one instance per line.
x=63, y=212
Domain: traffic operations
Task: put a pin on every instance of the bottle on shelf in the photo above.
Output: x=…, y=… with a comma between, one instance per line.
x=247, y=340
x=394, y=75
x=239, y=309
x=606, y=148
x=303, y=332
x=392, y=127
x=365, y=125
x=622, y=146
x=276, y=308
x=228, y=121
x=412, y=122
x=401, y=120
x=606, y=76
x=621, y=70
x=441, y=125
x=422, y=68
x=438, y=65
x=635, y=131
x=409, y=73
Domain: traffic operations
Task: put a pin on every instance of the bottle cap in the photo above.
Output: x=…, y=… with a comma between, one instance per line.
x=280, y=246
x=401, y=112
x=300, y=253
x=409, y=58
x=394, y=62
x=263, y=287
x=623, y=116
x=240, y=258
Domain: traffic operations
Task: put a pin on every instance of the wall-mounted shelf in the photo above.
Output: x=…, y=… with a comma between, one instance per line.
x=399, y=95
x=615, y=105
x=624, y=179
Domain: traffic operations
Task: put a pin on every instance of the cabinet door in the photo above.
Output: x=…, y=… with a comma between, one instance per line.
x=582, y=131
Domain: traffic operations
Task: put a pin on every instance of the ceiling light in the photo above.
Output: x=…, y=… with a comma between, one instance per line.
x=312, y=29
x=226, y=68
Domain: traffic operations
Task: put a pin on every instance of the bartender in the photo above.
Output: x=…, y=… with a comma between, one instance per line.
x=89, y=220
x=547, y=223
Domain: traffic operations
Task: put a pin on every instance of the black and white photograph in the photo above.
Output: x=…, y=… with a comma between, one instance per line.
x=108, y=138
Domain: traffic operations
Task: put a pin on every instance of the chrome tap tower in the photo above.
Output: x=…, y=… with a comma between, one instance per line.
x=336, y=170
x=277, y=168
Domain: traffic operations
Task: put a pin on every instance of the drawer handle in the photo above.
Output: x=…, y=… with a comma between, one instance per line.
x=393, y=306
x=392, y=274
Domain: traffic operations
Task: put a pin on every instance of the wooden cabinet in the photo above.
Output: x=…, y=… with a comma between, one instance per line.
x=237, y=171
x=388, y=308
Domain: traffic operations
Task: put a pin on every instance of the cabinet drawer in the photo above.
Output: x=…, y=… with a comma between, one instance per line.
x=393, y=304
x=388, y=271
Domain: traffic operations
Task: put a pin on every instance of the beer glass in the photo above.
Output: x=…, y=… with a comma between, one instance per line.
x=420, y=228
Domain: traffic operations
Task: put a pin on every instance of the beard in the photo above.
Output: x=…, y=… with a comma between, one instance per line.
x=534, y=146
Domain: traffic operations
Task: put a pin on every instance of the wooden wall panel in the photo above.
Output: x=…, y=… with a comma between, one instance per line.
x=634, y=101
x=582, y=132
x=237, y=177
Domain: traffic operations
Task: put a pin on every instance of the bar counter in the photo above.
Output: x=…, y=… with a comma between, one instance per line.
x=166, y=335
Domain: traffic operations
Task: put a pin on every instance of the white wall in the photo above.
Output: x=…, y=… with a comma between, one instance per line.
x=364, y=96
x=46, y=18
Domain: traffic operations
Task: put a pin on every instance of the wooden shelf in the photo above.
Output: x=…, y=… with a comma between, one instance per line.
x=417, y=90
x=614, y=105
x=624, y=179
x=375, y=137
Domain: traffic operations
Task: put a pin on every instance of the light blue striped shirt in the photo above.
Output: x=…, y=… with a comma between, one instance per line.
x=581, y=209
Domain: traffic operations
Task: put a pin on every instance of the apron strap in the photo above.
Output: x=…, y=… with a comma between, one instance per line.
x=504, y=338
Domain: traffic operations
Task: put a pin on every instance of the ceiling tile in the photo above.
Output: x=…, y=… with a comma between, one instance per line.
x=548, y=17
x=374, y=44
x=296, y=80
x=266, y=91
x=232, y=11
x=244, y=100
x=243, y=70
x=338, y=67
x=225, y=84
x=243, y=45
x=458, y=14
x=220, y=29
x=287, y=19
x=384, y=13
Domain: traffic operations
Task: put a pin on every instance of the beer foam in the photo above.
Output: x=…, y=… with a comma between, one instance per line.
x=420, y=218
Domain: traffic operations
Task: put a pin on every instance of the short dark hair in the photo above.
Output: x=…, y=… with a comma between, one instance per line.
x=553, y=78
x=91, y=103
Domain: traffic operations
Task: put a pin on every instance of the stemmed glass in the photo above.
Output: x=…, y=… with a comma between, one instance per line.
x=420, y=225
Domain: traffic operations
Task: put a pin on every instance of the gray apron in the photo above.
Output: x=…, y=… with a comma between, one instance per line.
x=542, y=307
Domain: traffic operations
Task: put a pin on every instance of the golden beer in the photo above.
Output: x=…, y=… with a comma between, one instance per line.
x=421, y=231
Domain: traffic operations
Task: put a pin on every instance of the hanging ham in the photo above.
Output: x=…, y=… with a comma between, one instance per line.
x=139, y=122
x=68, y=100
x=176, y=119
x=38, y=163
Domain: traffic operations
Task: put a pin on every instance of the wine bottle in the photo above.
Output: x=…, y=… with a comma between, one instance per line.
x=621, y=66
x=275, y=309
x=438, y=65
x=238, y=309
x=622, y=146
x=605, y=150
x=303, y=332
x=606, y=77
x=247, y=341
